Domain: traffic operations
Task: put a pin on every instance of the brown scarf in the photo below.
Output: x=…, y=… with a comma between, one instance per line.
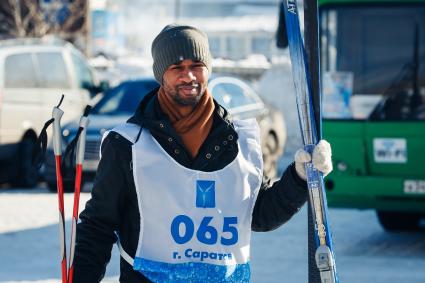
x=191, y=124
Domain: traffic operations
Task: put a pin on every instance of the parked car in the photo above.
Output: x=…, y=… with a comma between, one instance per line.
x=34, y=73
x=119, y=103
x=243, y=102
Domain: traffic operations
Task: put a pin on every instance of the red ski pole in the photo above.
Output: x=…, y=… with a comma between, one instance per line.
x=57, y=148
x=84, y=121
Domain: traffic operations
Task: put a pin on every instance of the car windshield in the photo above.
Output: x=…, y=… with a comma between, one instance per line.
x=365, y=51
x=124, y=98
x=232, y=95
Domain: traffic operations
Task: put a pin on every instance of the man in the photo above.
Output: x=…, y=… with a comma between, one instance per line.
x=180, y=186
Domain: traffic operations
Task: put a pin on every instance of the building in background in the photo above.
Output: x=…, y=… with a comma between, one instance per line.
x=236, y=29
x=238, y=37
x=241, y=33
x=107, y=35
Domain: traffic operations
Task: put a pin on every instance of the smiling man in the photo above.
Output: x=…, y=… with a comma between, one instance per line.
x=186, y=82
x=180, y=186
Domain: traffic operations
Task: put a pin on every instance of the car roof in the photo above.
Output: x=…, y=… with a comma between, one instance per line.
x=46, y=41
x=25, y=45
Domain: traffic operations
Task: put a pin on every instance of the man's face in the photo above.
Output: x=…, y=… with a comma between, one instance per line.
x=186, y=82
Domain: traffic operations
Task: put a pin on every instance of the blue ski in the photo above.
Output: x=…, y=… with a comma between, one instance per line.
x=324, y=255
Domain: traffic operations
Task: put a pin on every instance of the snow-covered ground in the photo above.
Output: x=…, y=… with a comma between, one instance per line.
x=29, y=235
x=29, y=245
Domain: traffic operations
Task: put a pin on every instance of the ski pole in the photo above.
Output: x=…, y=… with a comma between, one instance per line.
x=57, y=148
x=302, y=82
x=81, y=136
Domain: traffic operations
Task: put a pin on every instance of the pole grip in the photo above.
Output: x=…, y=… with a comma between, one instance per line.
x=79, y=157
x=57, y=135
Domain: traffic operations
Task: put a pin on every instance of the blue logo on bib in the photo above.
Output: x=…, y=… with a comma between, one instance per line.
x=205, y=193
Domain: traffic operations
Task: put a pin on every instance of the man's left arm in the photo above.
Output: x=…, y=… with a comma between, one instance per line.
x=277, y=203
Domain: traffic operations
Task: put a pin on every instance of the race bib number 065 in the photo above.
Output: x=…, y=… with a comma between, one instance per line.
x=204, y=233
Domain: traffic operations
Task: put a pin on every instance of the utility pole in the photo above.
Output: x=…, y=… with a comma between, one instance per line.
x=176, y=10
x=87, y=29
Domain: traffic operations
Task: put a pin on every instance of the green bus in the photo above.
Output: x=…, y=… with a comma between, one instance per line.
x=373, y=85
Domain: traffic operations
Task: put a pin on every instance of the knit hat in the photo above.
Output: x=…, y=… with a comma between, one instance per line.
x=176, y=43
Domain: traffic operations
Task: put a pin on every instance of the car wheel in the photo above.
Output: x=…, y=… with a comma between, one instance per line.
x=27, y=175
x=68, y=186
x=398, y=221
x=52, y=187
x=269, y=157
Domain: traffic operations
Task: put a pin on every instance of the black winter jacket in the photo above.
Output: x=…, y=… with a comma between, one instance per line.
x=113, y=206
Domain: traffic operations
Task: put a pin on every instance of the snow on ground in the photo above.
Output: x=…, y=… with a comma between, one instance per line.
x=364, y=251
x=29, y=245
x=29, y=235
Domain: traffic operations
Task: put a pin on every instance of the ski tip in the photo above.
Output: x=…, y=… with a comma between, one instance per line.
x=281, y=33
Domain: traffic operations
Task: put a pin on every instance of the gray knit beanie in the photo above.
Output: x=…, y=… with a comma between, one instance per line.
x=176, y=43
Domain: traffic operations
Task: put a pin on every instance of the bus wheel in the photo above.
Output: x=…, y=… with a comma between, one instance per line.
x=398, y=221
x=68, y=186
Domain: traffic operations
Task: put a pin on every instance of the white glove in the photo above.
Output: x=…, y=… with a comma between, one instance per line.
x=322, y=159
